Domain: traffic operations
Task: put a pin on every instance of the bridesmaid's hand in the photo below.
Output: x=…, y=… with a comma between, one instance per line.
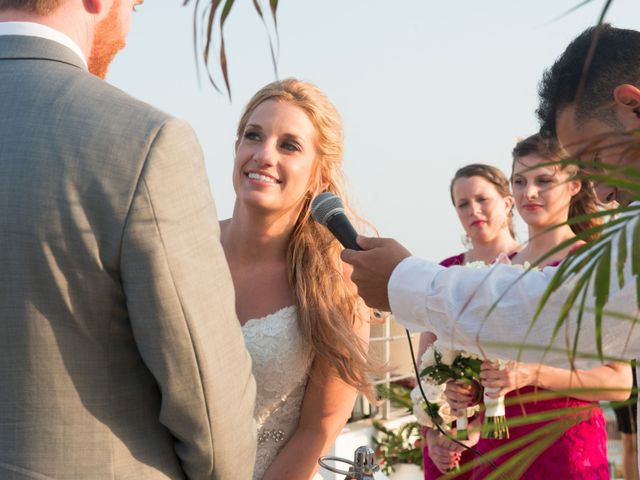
x=444, y=453
x=510, y=377
x=461, y=395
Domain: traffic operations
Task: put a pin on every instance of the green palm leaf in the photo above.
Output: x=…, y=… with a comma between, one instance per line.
x=214, y=25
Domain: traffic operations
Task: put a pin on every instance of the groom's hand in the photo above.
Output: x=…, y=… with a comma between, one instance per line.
x=372, y=268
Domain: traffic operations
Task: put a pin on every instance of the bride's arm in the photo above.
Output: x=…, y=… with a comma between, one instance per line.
x=326, y=407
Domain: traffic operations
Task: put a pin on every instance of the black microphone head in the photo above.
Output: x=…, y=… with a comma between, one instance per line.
x=324, y=206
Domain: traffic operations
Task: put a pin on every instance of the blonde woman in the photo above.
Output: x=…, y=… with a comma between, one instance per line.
x=304, y=325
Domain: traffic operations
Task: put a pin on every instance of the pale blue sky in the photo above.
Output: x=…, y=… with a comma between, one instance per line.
x=424, y=87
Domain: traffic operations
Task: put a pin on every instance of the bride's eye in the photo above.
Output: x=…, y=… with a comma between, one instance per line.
x=251, y=135
x=291, y=146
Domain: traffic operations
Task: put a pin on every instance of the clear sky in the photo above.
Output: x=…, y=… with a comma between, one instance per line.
x=424, y=87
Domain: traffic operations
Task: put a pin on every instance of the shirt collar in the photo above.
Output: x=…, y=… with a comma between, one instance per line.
x=33, y=29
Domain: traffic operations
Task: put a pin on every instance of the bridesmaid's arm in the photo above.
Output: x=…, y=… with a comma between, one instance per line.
x=326, y=407
x=611, y=382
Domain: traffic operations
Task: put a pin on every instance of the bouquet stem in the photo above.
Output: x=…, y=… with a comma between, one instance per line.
x=461, y=428
x=495, y=421
x=454, y=469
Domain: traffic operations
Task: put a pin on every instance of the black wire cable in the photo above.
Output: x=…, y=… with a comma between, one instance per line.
x=440, y=429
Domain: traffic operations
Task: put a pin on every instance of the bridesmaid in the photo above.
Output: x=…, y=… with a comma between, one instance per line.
x=547, y=196
x=480, y=194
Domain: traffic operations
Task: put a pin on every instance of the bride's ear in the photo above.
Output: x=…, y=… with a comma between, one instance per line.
x=324, y=183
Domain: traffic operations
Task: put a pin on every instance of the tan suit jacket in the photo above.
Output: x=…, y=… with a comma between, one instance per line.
x=121, y=356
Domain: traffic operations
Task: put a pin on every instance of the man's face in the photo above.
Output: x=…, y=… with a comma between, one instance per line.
x=110, y=36
x=595, y=141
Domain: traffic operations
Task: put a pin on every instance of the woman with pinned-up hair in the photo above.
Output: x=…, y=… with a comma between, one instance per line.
x=304, y=325
x=482, y=199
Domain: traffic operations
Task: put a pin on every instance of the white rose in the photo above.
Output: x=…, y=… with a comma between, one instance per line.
x=445, y=413
x=419, y=409
x=422, y=416
x=428, y=358
x=465, y=354
x=471, y=411
x=434, y=393
x=448, y=356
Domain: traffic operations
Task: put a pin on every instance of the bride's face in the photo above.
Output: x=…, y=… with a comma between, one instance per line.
x=275, y=157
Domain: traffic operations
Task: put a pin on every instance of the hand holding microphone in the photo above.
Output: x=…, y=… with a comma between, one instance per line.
x=373, y=259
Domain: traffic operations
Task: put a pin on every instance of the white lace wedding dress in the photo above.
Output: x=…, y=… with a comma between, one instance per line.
x=281, y=363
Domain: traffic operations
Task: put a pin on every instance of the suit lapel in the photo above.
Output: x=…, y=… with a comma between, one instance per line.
x=22, y=47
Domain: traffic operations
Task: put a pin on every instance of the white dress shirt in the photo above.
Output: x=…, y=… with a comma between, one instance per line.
x=33, y=29
x=454, y=302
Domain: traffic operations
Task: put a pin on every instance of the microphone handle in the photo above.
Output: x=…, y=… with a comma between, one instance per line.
x=344, y=232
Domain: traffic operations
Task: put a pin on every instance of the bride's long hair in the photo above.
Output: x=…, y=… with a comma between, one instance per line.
x=328, y=307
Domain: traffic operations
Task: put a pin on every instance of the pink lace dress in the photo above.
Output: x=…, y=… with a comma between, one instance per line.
x=579, y=454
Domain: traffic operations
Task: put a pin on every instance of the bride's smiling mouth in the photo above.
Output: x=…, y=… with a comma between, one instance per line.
x=261, y=178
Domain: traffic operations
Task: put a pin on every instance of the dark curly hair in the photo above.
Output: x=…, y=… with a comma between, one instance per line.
x=594, y=63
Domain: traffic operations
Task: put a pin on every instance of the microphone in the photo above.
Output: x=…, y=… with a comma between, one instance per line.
x=328, y=209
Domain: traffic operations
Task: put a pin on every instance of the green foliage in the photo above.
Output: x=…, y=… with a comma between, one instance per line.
x=462, y=368
x=398, y=394
x=590, y=268
x=402, y=445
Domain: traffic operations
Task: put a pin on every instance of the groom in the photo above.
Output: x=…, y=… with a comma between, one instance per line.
x=594, y=126
x=120, y=352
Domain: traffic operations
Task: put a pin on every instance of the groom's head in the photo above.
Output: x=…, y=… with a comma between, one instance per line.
x=39, y=7
x=100, y=27
x=590, y=98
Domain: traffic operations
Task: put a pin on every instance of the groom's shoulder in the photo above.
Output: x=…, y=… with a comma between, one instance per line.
x=119, y=122
x=106, y=100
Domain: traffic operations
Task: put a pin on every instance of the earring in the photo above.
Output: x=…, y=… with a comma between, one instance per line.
x=466, y=241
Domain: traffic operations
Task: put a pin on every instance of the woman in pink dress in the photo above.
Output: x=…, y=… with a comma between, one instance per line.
x=483, y=202
x=546, y=196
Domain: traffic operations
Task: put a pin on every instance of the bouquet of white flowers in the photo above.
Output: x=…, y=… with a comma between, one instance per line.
x=437, y=367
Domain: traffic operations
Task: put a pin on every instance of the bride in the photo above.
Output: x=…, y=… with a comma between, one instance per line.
x=303, y=323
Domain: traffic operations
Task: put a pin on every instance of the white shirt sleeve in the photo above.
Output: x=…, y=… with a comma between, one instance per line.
x=455, y=304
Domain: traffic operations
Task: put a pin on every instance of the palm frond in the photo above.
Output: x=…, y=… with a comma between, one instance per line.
x=588, y=274
x=214, y=16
